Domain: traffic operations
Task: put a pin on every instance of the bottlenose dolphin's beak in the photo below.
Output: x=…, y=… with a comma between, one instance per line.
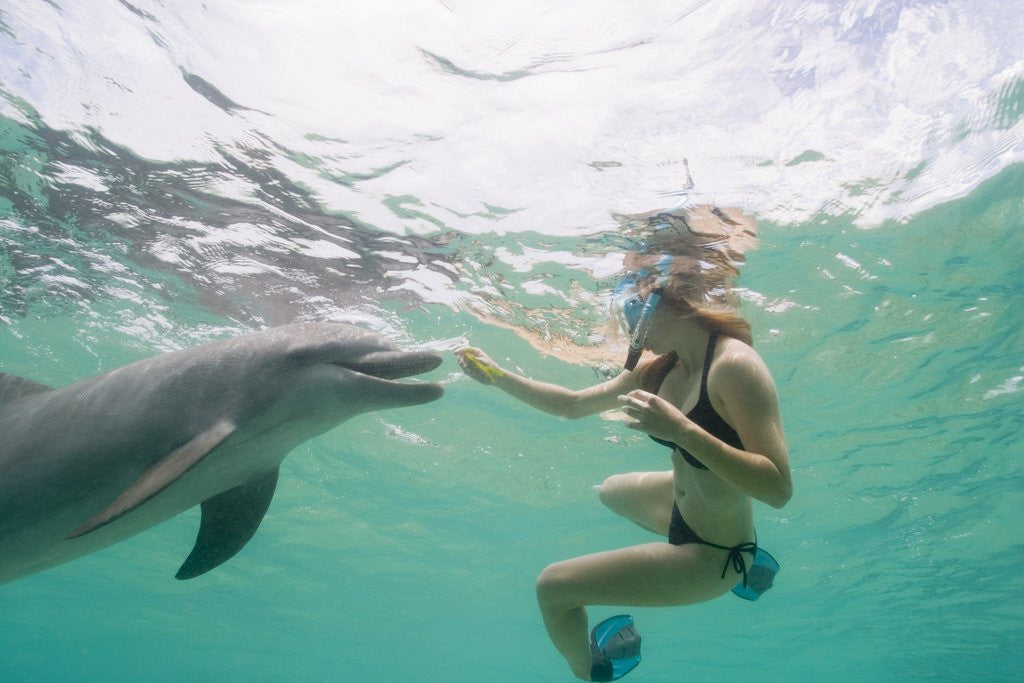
x=391, y=365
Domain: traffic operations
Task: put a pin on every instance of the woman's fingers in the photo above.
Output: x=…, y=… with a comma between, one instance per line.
x=635, y=405
x=468, y=354
x=468, y=350
x=637, y=399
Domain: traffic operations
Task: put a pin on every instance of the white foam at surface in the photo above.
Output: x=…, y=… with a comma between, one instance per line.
x=545, y=93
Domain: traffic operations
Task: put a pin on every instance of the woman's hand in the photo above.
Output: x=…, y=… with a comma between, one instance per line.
x=652, y=414
x=479, y=365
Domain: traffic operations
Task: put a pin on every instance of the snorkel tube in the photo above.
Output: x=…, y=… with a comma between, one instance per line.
x=641, y=327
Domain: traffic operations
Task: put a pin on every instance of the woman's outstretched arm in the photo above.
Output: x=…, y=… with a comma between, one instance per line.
x=550, y=398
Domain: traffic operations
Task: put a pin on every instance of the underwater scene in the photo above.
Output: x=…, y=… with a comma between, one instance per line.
x=447, y=173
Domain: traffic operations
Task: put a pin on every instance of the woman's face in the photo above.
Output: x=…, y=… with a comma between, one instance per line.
x=651, y=322
x=665, y=329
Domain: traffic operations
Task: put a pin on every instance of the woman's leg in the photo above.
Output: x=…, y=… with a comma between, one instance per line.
x=645, y=498
x=650, y=575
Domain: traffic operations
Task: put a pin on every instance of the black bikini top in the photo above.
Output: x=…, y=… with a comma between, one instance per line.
x=704, y=414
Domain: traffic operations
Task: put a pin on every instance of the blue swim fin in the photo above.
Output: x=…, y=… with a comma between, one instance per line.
x=614, y=648
x=759, y=577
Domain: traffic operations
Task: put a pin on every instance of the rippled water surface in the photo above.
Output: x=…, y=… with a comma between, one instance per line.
x=174, y=173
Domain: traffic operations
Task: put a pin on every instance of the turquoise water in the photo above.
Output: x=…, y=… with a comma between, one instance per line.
x=440, y=172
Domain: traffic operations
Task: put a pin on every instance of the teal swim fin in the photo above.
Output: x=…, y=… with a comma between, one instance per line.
x=759, y=577
x=614, y=648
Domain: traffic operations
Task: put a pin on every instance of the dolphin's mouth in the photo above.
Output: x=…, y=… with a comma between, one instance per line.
x=394, y=364
x=385, y=366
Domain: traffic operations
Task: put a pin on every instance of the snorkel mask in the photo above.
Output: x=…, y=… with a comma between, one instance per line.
x=635, y=314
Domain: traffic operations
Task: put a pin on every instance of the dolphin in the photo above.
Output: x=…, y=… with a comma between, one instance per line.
x=93, y=463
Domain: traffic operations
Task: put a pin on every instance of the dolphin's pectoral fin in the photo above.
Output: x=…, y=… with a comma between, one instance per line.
x=159, y=476
x=229, y=520
x=13, y=387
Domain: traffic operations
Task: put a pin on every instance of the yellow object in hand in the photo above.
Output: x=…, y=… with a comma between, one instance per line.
x=493, y=374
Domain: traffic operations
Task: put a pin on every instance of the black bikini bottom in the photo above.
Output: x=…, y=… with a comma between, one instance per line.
x=680, y=533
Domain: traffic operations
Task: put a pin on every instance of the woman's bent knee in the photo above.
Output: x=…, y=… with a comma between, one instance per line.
x=610, y=493
x=553, y=585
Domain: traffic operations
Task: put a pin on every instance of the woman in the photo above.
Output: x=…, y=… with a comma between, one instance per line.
x=710, y=398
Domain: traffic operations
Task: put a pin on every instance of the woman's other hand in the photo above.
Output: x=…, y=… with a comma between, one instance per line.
x=652, y=414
